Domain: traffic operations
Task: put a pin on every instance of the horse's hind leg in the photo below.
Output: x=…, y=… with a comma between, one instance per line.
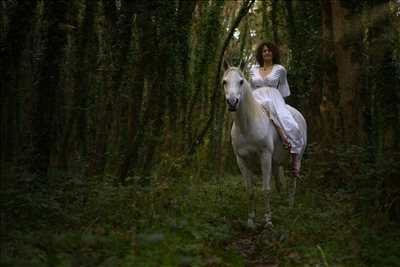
x=248, y=177
x=277, y=173
x=292, y=189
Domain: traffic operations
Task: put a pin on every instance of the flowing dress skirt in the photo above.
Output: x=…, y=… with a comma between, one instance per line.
x=273, y=101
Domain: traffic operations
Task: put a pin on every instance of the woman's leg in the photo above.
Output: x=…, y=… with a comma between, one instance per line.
x=295, y=157
x=295, y=164
x=282, y=135
x=285, y=124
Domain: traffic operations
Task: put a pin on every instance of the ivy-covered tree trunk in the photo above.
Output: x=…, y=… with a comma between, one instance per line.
x=75, y=131
x=48, y=86
x=266, y=29
x=210, y=27
x=296, y=45
x=383, y=73
x=182, y=79
x=147, y=136
x=13, y=40
x=161, y=84
x=325, y=93
x=120, y=30
x=347, y=33
x=274, y=22
x=98, y=148
x=383, y=91
x=144, y=46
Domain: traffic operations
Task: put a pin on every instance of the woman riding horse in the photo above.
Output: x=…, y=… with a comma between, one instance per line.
x=269, y=82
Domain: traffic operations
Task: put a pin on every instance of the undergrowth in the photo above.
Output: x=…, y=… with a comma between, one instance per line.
x=182, y=220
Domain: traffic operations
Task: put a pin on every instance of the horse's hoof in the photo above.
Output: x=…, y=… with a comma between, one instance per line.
x=268, y=221
x=268, y=225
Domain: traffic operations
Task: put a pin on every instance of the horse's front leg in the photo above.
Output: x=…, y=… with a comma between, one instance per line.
x=248, y=177
x=266, y=164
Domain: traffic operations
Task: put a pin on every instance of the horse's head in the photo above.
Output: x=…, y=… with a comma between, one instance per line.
x=233, y=81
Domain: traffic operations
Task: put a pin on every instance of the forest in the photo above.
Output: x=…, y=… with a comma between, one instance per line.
x=116, y=145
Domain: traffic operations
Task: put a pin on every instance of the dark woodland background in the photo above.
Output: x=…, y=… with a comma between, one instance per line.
x=114, y=131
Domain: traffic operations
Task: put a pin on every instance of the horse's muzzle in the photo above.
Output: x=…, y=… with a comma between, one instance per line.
x=232, y=104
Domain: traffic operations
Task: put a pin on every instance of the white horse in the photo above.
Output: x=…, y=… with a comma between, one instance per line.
x=256, y=143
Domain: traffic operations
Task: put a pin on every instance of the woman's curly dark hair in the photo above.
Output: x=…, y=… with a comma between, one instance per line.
x=276, y=57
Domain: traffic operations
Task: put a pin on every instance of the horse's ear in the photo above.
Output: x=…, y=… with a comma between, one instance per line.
x=242, y=65
x=225, y=64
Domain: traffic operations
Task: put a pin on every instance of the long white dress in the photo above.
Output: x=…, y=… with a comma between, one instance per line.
x=270, y=91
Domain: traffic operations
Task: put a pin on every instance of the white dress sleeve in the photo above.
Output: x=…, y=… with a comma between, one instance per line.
x=283, y=86
x=253, y=73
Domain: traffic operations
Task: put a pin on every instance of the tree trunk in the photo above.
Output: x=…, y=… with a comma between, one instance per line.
x=182, y=77
x=266, y=25
x=200, y=98
x=274, y=16
x=77, y=122
x=383, y=73
x=13, y=40
x=347, y=33
x=120, y=32
x=137, y=121
x=324, y=118
x=48, y=87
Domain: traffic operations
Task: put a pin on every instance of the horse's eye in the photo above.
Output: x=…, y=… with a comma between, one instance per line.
x=241, y=82
x=223, y=82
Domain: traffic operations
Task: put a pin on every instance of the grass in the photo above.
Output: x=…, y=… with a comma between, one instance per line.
x=166, y=221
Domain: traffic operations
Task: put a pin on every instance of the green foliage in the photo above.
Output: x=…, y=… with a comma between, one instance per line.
x=145, y=223
x=184, y=220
